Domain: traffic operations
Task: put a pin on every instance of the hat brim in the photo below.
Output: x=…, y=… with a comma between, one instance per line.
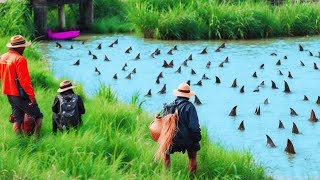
x=20, y=45
x=65, y=89
x=188, y=95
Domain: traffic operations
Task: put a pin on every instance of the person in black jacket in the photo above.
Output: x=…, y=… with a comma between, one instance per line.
x=66, y=94
x=189, y=133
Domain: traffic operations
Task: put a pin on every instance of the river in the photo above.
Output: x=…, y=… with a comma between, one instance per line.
x=245, y=58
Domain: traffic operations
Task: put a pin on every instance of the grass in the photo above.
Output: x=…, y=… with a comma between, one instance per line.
x=223, y=19
x=113, y=142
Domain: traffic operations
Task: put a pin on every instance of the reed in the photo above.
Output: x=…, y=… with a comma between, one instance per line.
x=224, y=19
x=113, y=143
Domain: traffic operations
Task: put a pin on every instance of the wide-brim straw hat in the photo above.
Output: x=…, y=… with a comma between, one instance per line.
x=183, y=91
x=18, y=41
x=65, y=85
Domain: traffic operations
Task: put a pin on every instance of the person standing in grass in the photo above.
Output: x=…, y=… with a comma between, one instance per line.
x=16, y=84
x=188, y=132
x=67, y=108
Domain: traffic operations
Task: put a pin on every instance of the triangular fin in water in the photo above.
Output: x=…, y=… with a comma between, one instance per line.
x=116, y=41
x=128, y=76
x=208, y=64
x=160, y=75
x=193, y=72
x=318, y=100
x=221, y=64
x=289, y=148
x=261, y=84
x=313, y=117
x=258, y=111
x=286, y=87
x=242, y=89
x=278, y=63
x=137, y=57
x=223, y=45
x=185, y=63
x=293, y=112
x=111, y=45
x=285, y=57
x=295, y=129
x=178, y=70
x=315, y=66
x=106, y=58
x=165, y=64
x=197, y=100
x=204, y=77
x=71, y=47
x=171, y=63
x=175, y=47
x=190, y=57
x=310, y=53
x=305, y=98
x=115, y=76
x=218, y=49
x=301, y=63
x=188, y=82
x=149, y=94
x=90, y=53
x=233, y=111
x=170, y=52
x=218, y=80
x=226, y=60
x=289, y=74
x=99, y=46
x=273, y=86
x=163, y=90
x=77, y=63
x=256, y=89
x=199, y=83
x=241, y=126
x=280, y=125
x=300, y=47
x=134, y=71
x=266, y=101
x=261, y=66
x=254, y=75
x=204, y=51
x=270, y=142
x=158, y=80
x=94, y=56
x=273, y=54
x=234, y=83
x=280, y=73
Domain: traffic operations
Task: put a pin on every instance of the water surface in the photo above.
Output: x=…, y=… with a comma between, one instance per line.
x=245, y=58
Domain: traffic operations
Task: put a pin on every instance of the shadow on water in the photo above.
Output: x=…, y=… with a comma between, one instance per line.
x=245, y=58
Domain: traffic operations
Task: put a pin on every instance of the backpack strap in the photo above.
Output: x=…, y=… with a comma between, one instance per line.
x=60, y=99
x=180, y=106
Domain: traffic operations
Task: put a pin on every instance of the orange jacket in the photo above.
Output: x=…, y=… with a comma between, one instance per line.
x=13, y=65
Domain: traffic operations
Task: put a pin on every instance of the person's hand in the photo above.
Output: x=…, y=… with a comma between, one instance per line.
x=33, y=102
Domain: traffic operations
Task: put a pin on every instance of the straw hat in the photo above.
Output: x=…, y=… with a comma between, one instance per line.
x=65, y=85
x=17, y=41
x=183, y=91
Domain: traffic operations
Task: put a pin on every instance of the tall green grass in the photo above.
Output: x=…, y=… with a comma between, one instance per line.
x=113, y=143
x=16, y=18
x=223, y=19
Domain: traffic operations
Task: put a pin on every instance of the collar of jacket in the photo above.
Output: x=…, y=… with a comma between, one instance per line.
x=13, y=52
x=181, y=99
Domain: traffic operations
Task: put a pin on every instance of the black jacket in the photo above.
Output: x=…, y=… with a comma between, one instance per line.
x=56, y=109
x=189, y=133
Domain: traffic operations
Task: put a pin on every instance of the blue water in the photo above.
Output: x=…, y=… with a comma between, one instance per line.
x=245, y=57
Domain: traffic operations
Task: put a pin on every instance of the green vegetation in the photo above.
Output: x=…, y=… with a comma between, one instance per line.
x=223, y=19
x=114, y=141
x=180, y=19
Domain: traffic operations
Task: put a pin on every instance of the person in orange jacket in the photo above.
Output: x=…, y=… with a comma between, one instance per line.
x=16, y=84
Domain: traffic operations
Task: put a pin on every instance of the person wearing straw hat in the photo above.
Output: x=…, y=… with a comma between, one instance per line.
x=16, y=84
x=67, y=108
x=188, y=133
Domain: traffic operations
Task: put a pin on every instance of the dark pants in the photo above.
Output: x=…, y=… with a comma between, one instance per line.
x=20, y=106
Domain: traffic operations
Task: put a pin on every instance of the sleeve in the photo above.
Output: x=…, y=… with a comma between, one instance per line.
x=193, y=124
x=24, y=77
x=56, y=104
x=54, y=124
x=82, y=110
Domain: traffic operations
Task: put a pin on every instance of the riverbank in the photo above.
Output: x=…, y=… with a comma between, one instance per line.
x=114, y=142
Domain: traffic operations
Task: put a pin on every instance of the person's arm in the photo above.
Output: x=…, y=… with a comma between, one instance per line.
x=194, y=125
x=82, y=110
x=24, y=77
x=56, y=105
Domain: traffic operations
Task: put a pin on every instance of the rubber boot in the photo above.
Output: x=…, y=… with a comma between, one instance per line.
x=166, y=161
x=17, y=128
x=38, y=126
x=192, y=167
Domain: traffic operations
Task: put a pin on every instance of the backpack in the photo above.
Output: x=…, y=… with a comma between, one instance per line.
x=69, y=112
